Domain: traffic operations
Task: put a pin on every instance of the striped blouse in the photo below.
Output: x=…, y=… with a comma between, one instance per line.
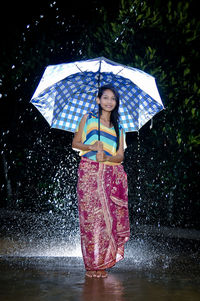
x=107, y=136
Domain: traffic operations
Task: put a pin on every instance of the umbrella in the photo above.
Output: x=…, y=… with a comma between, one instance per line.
x=68, y=91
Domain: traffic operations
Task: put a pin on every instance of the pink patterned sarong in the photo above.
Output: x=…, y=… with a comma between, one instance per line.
x=103, y=213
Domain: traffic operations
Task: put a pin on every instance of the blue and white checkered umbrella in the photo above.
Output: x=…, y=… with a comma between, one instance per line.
x=68, y=91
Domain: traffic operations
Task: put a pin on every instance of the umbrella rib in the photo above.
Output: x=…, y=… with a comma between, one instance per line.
x=79, y=68
x=119, y=71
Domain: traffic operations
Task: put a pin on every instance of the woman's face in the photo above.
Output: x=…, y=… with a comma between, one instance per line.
x=107, y=101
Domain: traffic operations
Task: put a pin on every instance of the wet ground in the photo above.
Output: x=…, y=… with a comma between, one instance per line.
x=45, y=265
x=160, y=277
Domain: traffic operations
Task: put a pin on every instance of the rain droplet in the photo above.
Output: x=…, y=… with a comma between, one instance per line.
x=52, y=4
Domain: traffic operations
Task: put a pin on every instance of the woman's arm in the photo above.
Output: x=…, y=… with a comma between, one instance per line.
x=118, y=158
x=77, y=141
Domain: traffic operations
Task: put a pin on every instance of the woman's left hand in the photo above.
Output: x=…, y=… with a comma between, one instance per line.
x=101, y=156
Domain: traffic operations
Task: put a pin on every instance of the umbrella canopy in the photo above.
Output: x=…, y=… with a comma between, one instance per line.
x=68, y=91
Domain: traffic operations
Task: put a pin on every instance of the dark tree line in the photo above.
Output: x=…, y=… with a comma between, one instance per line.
x=38, y=167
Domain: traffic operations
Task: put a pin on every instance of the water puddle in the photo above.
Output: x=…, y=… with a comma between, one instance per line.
x=42, y=261
x=144, y=274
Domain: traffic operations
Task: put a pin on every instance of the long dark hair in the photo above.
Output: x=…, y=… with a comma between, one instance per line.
x=114, y=117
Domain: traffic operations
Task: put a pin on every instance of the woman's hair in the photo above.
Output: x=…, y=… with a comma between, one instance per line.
x=114, y=117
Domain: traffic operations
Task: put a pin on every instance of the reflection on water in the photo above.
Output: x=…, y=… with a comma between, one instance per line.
x=63, y=279
x=41, y=261
x=110, y=288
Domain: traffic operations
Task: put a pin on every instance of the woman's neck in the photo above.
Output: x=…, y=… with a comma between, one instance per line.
x=105, y=116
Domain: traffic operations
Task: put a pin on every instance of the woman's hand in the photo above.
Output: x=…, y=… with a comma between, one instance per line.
x=97, y=146
x=101, y=156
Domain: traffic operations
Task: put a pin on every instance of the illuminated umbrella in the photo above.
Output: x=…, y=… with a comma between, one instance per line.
x=68, y=91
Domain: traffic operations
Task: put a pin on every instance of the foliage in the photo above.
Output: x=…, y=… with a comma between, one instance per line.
x=160, y=38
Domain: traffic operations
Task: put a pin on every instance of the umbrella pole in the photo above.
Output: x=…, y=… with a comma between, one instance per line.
x=99, y=124
x=99, y=104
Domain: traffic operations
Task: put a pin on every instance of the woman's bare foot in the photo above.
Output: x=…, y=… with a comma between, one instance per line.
x=91, y=274
x=101, y=274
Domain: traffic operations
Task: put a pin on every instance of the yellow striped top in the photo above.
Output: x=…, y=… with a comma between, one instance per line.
x=107, y=136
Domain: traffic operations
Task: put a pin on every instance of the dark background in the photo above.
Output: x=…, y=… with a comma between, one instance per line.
x=38, y=168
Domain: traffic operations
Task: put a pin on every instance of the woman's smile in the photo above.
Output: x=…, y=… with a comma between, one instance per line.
x=109, y=106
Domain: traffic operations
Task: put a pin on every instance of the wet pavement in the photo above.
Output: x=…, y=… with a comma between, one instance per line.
x=40, y=260
x=160, y=277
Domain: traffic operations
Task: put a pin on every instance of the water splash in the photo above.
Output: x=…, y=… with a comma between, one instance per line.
x=53, y=247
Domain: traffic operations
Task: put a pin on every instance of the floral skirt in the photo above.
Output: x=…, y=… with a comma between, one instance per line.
x=103, y=213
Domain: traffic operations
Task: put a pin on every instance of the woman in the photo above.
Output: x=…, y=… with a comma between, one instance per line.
x=102, y=186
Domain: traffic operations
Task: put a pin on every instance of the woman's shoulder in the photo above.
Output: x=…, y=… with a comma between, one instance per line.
x=84, y=117
x=89, y=116
x=93, y=114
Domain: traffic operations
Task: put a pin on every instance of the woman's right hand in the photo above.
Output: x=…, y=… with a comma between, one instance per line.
x=97, y=146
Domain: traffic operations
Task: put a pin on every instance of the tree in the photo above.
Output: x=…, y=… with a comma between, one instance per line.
x=160, y=38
